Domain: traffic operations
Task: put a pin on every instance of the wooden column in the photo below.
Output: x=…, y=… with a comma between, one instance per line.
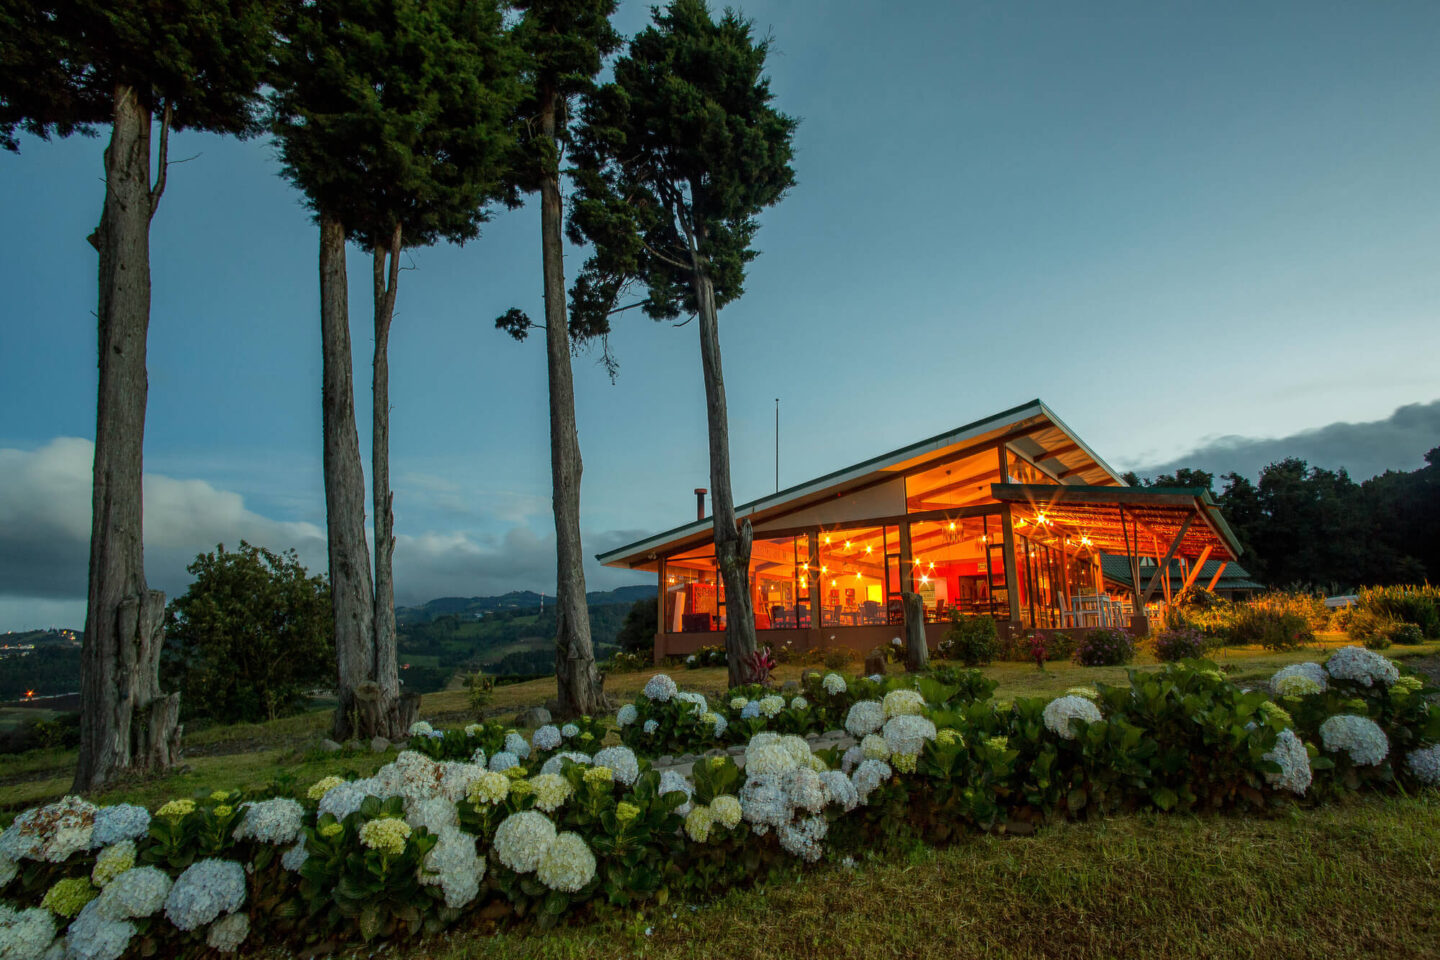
x=660, y=612
x=1216, y=579
x=1195, y=570
x=1012, y=580
x=817, y=589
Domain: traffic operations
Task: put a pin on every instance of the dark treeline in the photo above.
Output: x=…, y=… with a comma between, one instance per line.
x=1310, y=526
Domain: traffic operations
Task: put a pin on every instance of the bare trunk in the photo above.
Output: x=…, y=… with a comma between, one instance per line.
x=732, y=539
x=580, y=686
x=917, y=652
x=384, y=669
x=127, y=725
x=351, y=594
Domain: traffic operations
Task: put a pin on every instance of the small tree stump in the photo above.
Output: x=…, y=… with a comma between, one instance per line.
x=874, y=663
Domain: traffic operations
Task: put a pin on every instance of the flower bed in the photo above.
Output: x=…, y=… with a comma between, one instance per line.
x=545, y=831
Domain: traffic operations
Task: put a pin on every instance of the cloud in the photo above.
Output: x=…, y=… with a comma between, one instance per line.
x=1399, y=442
x=45, y=535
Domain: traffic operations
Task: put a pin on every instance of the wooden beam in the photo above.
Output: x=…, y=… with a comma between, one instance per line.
x=1216, y=579
x=1012, y=586
x=1164, y=569
x=1195, y=570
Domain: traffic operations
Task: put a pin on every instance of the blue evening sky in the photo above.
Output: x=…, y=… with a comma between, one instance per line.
x=1170, y=221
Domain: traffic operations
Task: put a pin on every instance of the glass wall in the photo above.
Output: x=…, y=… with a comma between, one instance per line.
x=694, y=595
x=779, y=577
x=852, y=581
x=954, y=568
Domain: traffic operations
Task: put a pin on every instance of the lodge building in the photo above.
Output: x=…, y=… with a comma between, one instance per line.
x=1007, y=516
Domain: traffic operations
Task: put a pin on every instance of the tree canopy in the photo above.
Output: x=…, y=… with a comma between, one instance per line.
x=250, y=635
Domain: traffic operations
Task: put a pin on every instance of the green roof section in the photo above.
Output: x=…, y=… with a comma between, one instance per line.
x=1234, y=577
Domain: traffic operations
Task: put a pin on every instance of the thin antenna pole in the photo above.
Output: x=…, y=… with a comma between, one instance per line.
x=777, y=444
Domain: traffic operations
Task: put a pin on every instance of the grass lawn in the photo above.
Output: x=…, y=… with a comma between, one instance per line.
x=254, y=754
x=1354, y=879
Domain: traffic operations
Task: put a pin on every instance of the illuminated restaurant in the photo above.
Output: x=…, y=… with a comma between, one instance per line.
x=1007, y=516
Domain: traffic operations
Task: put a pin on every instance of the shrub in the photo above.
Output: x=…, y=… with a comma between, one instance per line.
x=973, y=641
x=1185, y=643
x=626, y=662
x=1379, y=641
x=1105, y=647
x=840, y=658
x=1019, y=647
x=1419, y=605
x=1270, y=627
x=1407, y=633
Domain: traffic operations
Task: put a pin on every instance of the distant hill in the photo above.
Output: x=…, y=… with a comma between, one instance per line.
x=516, y=600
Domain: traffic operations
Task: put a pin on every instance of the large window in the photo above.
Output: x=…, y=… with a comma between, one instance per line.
x=694, y=595
x=779, y=580
x=852, y=581
x=955, y=566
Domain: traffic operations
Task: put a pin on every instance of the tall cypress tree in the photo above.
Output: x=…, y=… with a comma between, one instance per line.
x=676, y=157
x=76, y=67
x=393, y=119
x=565, y=43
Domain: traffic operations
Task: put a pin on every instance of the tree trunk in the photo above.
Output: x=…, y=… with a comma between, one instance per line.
x=579, y=684
x=384, y=669
x=351, y=594
x=732, y=539
x=917, y=651
x=127, y=725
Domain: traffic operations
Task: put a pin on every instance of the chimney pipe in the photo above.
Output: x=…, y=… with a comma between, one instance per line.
x=699, y=503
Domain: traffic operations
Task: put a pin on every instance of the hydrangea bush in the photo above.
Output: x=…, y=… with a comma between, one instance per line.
x=554, y=830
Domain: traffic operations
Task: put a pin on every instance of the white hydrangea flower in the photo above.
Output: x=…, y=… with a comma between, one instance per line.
x=345, y=799
x=865, y=717
x=691, y=659
x=805, y=789
x=875, y=677
x=767, y=754
x=138, y=892
x=503, y=760
x=802, y=838
x=122, y=821
x=906, y=734
x=650, y=727
x=852, y=757
x=869, y=775
x=421, y=729
x=113, y=861
x=717, y=723
x=660, y=688
x=698, y=823
x=1424, y=765
x=474, y=729
x=763, y=801
x=1360, y=737
x=546, y=737
x=1299, y=679
x=455, y=867
x=840, y=789
x=556, y=764
x=738, y=703
x=771, y=705
x=698, y=705
x=275, y=821
x=621, y=760
x=95, y=936
x=434, y=813
x=1365, y=667
x=516, y=744
x=567, y=864
x=489, y=787
x=671, y=782
x=411, y=775
x=456, y=777
x=294, y=858
x=1294, y=763
x=522, y=839
x=799, y=703
x=551, y=791
x=26, y=934
x=479, y=758
x=570, y=730
x=750, y=710
x=900, y=703
x=726, y=810
x=1060, y=712
x=227, y=933
x=52, y=832
x=833, y=684
x=204, y=891
x=874, y=747
x=625, y=716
